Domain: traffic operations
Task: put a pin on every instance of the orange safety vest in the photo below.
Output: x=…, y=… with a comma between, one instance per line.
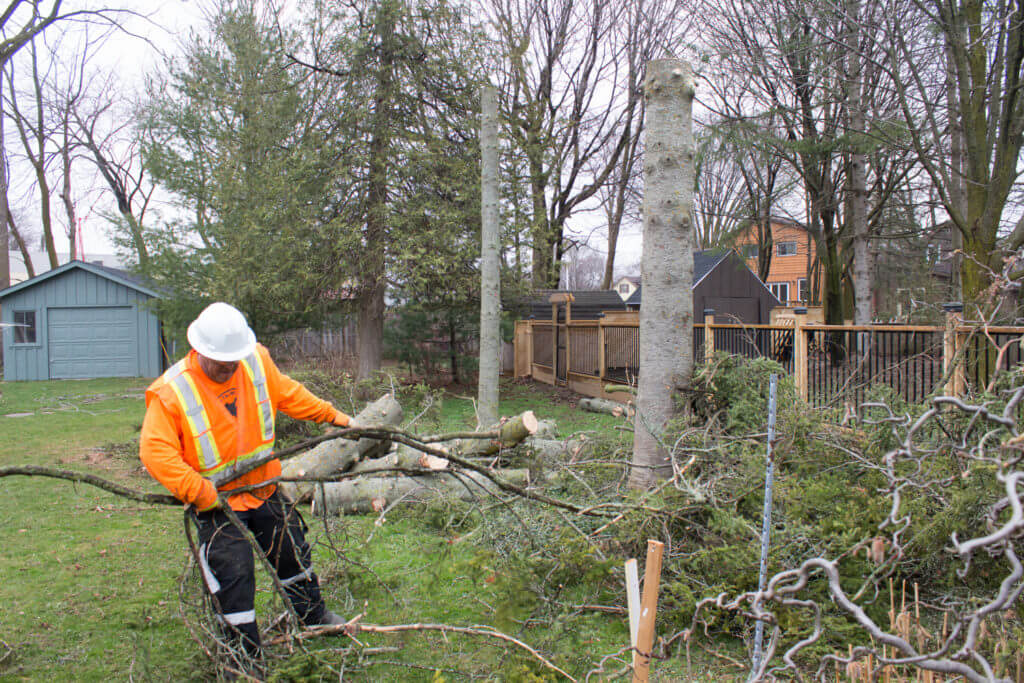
x=254, y=432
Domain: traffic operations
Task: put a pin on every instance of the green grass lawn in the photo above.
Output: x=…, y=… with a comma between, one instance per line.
x=91, y=581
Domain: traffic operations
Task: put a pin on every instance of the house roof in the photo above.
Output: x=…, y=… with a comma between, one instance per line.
x=586, y=305
x=703, y=263
x=635, y=279
x=117, y=275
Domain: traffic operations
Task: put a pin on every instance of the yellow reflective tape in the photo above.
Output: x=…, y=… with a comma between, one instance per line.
x=208, y=445
x=240, y=459
x=254, y=369
x=198, y=421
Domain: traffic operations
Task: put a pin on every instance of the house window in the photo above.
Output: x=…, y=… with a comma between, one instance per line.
x=750, y=251
x=785, y=249
x=780, y=290
x=24, y=327
x=803, y=290
x=624, y=289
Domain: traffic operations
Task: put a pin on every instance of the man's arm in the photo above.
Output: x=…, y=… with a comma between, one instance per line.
x=297, y=401
x=162, y=454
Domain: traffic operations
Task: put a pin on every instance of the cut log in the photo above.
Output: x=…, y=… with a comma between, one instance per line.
x=603, y=405
x=546, y=429
x=404, y=457
x=551, y=449
x=374, y=494
x=337, y=456
x=513, y=431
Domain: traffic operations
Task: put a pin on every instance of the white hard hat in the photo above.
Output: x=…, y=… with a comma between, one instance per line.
x=220, y=333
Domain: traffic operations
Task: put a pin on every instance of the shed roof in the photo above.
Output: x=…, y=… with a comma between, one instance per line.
x=117, y=275
x=586, y=305
x=703, y=263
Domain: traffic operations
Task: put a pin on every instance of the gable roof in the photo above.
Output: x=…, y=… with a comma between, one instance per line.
x=635, y=279
x=117, y=275
x=703, y=263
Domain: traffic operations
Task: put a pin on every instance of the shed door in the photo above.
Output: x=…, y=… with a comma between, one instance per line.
x=92, y=342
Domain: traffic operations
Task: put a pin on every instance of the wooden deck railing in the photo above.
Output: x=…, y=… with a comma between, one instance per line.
x=830, y=364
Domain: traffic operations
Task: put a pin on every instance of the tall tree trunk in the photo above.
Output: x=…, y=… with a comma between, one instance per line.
x=956, y=176
x=374, y=284
x=666, y=318
x=5, y=259
x=856, y=177
x=490, y=276
x=65, y=195
x=543, y=242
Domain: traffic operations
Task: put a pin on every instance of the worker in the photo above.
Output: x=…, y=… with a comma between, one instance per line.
x=215, y=409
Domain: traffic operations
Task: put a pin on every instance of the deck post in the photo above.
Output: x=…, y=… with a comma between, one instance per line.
x=800, y=352
x=953, y=372
x=602, y=362
x=709, y=334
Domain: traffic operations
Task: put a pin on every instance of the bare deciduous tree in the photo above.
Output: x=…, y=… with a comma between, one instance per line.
x=571, y=99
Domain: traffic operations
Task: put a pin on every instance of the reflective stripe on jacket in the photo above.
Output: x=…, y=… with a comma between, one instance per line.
x=197, y=417
x=188, y=432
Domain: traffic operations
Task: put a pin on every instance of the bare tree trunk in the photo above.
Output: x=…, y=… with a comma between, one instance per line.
x=666, y=318
x=957, y=196
x=863, y=268
x=5, y=260
x=65, y=195
x=490, y=277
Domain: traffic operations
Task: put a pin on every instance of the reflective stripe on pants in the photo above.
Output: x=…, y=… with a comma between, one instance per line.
x=227, y=556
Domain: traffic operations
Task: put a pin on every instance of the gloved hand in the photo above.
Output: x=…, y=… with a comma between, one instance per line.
x=352, y=423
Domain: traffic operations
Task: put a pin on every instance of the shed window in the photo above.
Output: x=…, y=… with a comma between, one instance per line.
x=785, y=249
x=24, y=327
x=750, y=251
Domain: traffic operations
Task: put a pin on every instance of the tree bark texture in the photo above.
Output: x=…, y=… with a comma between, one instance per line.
x=371, y=303
x=5, y=261
x=374, y=494
x=857, y=193
x=336, y=456
x=666, y=318
x=490, y=276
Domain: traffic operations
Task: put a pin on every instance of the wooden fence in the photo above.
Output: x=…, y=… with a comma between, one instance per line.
x=831, y=364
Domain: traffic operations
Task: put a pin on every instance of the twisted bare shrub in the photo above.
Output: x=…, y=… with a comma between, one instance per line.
x=940, y=485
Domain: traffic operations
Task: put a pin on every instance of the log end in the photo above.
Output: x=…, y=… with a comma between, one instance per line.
x=530, y=422
x=432, y=462
x=378, y=504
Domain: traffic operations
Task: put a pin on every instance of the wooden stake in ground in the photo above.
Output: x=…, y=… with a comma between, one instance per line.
x=490, y=280
x=633, y=600
x=648, y=611
x=666, y=317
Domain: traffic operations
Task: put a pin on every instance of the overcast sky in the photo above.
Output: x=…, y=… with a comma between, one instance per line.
x=140, y=50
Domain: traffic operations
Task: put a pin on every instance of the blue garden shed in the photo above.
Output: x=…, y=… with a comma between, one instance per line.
x=80, y=320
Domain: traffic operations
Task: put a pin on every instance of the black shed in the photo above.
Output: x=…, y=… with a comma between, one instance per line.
x=723, y=282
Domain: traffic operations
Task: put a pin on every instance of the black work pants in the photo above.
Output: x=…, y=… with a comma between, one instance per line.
x=227, y=562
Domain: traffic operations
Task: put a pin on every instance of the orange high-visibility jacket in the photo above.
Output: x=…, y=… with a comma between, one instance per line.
x=184, y=439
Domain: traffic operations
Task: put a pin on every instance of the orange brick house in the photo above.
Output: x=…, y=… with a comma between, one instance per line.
x=793, y=260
